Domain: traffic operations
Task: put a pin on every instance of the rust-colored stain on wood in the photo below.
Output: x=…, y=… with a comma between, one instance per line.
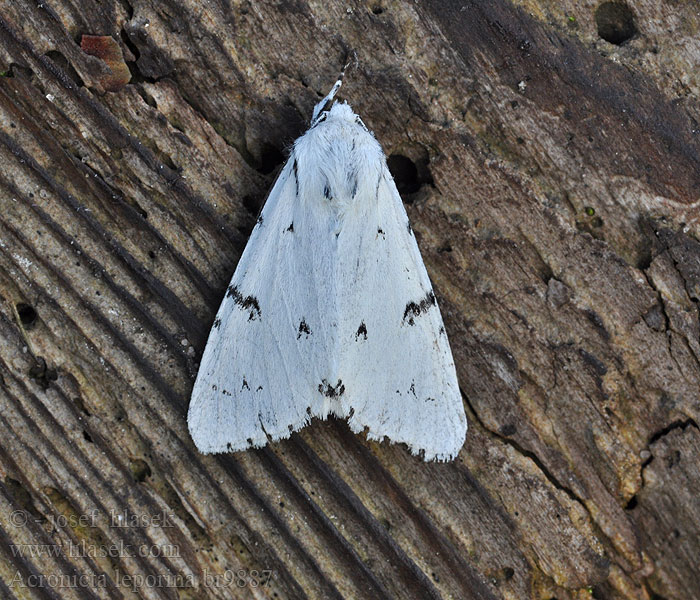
x=106, y=48
x=549, y=158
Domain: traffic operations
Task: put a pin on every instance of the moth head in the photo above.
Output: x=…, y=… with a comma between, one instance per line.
x=339, y=112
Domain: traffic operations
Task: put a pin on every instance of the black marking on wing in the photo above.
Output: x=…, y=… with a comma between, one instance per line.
x=215, y=387
x=249, y=302
x=245, y=385
x=303, y=328
x=331, y=391
x=442, y=330
x=259, y=388
x=354, y=185
x=217, y=323
x=296, y=175
x=410, y=229
x=380, y=231
x=291, y=227
x=361, y=331
x=416, y=309
x=327, y=192
x=226, y=393
x=260, y=220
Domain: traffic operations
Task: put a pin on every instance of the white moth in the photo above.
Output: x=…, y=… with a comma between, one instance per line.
x=330, y=310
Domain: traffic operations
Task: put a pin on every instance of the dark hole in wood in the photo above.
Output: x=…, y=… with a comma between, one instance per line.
x=270, y=159
x=615, y=22
x=140, y=470
x=404, y=172
x=27, y=314
x=408, y=176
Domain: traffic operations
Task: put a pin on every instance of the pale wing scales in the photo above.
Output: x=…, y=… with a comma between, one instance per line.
x=395, y=352
x=265, y=354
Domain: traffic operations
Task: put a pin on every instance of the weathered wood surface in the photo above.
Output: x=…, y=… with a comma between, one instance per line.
x=555, y=199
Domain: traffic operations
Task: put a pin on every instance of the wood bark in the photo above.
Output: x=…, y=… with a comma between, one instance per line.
x=552, y=180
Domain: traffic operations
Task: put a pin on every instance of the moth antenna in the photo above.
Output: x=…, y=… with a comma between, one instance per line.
x=328, y=100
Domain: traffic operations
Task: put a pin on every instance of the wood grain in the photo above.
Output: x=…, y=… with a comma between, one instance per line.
x=553, y=181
